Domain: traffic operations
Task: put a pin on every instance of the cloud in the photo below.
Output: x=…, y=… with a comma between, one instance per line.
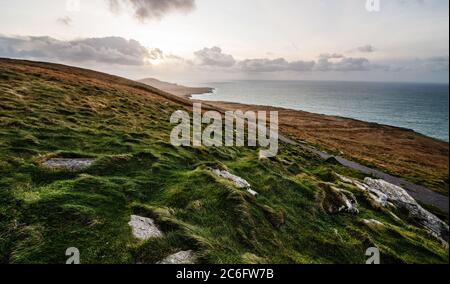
x=156, y=53
x=66, y=21
x=331, y=56
x=214, y=57
x=273, y=65
x=111, y=50
x=352, y=64
x=152, y=9
x=436, y=64
x=340, y=63
x=119, y=51
x=366, y=49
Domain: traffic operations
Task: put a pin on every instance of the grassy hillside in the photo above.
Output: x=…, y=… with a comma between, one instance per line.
x=56, y=111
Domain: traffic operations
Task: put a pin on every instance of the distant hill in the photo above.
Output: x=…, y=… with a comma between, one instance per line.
x=175, y=89
x=135, y=179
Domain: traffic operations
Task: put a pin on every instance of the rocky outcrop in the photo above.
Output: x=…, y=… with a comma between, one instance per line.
x=375, y=195
x=144, y=228
x=401, y=199
x=70, y=164
x=237, y=181
x=182, y=257
x=385, y=194
x=336, y=200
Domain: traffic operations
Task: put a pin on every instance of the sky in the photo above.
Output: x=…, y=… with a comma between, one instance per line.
x=199, y=41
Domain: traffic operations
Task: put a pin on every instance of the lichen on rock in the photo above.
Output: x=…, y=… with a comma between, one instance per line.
x=237, y=181
x=144, y=228
x=385, y=194
x=67, y=163
x=182, y=257
x=401, y=199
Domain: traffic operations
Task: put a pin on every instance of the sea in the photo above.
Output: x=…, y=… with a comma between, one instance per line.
x=421, y=107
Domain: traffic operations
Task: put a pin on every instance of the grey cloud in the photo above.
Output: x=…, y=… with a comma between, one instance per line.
x=352, y=64
x=112, y=50
x=331, y=56
x=152, y=9
x=273, y=65
x=263, y=65
x=156, y=53
x=343, y=64
x=366, y=49
x=66, y=21
x=324, y=63
x=436, y=64
x=214, y=57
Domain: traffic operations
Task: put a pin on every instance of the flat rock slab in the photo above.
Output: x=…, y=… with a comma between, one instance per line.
x=70, y=164
x=182, y=257
x=237, y=181
x=144, y=228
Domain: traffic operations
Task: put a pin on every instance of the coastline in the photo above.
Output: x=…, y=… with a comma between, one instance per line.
x=121, y=127
x=175, y=89
x=398, y=151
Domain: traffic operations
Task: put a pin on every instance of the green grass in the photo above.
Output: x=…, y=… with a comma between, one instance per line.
x=43, y=212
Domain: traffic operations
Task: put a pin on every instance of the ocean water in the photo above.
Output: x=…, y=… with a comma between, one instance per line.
x=421, y=107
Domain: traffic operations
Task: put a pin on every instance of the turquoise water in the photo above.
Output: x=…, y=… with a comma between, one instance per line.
x=421, y=107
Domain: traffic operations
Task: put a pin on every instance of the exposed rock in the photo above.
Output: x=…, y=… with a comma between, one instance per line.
x=252, y=192
x=182, y=257
x=237, y=181
x=144, y=228
x=66, y=163
x=375, y=195
x=400, y=198
x=337, y=200
x=396, y=218
x=262, y=156
x=373, y=222
x=387, y=194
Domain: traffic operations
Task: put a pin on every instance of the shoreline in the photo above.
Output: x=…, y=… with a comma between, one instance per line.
x=421, y=187
x=175, y=89
x=397, y=151
x=258, y=106
x=262, y=106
